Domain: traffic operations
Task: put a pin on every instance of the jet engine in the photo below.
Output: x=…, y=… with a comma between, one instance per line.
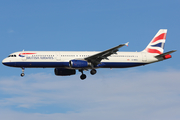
x=79, y=64
x=64, y=72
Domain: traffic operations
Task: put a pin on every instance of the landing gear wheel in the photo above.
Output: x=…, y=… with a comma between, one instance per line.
x=83, y=76
x=22, y=74
x=93, y=71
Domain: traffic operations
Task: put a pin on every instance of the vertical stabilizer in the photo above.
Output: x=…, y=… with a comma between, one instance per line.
x=157, y=43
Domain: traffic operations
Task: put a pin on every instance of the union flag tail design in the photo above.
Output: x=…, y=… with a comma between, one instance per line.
x=157, y=43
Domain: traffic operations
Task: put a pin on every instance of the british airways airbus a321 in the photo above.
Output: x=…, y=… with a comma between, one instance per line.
x=65, y=63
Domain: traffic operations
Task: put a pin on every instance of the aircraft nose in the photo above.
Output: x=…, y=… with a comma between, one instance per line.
x=4, y=61
x=8, y=62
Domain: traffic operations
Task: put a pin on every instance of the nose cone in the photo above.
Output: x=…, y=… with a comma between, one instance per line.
x=5, y=61
x=9, y=62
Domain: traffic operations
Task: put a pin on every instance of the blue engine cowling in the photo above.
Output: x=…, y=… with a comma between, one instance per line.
x=78, y=64
x=64, y=71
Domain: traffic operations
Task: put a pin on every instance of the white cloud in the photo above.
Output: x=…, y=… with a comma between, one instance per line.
x=124, y=95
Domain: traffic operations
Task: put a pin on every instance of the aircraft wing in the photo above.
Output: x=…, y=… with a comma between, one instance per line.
x=96, y=59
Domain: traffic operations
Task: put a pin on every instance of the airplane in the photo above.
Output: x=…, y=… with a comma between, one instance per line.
x=65, y=63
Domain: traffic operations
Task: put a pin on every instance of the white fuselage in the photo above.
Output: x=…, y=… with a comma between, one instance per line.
x=60, y=59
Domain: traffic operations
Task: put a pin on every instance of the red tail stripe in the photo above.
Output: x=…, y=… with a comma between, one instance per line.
x=153, y=51
x=161, y=36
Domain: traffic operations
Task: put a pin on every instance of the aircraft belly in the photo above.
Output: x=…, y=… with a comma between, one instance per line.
x=120, y=64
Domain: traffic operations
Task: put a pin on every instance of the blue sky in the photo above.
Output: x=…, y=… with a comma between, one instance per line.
x=93, y=25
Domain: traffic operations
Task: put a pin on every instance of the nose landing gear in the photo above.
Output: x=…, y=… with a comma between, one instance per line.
x=22, y=74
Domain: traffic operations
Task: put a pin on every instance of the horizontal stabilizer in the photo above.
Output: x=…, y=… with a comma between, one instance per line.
x=167, y=53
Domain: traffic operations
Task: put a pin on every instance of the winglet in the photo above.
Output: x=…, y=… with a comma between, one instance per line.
x=127, y=43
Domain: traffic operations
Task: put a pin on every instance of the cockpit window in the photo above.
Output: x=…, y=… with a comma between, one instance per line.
x=12, y=56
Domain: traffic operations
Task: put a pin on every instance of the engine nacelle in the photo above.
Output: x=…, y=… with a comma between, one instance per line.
x=79, y=64
x=64, y=72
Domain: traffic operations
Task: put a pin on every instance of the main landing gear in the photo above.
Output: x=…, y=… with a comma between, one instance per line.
x=93, y=71
x=83, y=76
x=22, y=74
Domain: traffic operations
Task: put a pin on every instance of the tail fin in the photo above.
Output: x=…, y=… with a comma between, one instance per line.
x=157, y=43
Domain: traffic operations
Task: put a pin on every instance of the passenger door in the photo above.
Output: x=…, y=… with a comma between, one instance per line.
x=144, y=57
x=58, y=56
